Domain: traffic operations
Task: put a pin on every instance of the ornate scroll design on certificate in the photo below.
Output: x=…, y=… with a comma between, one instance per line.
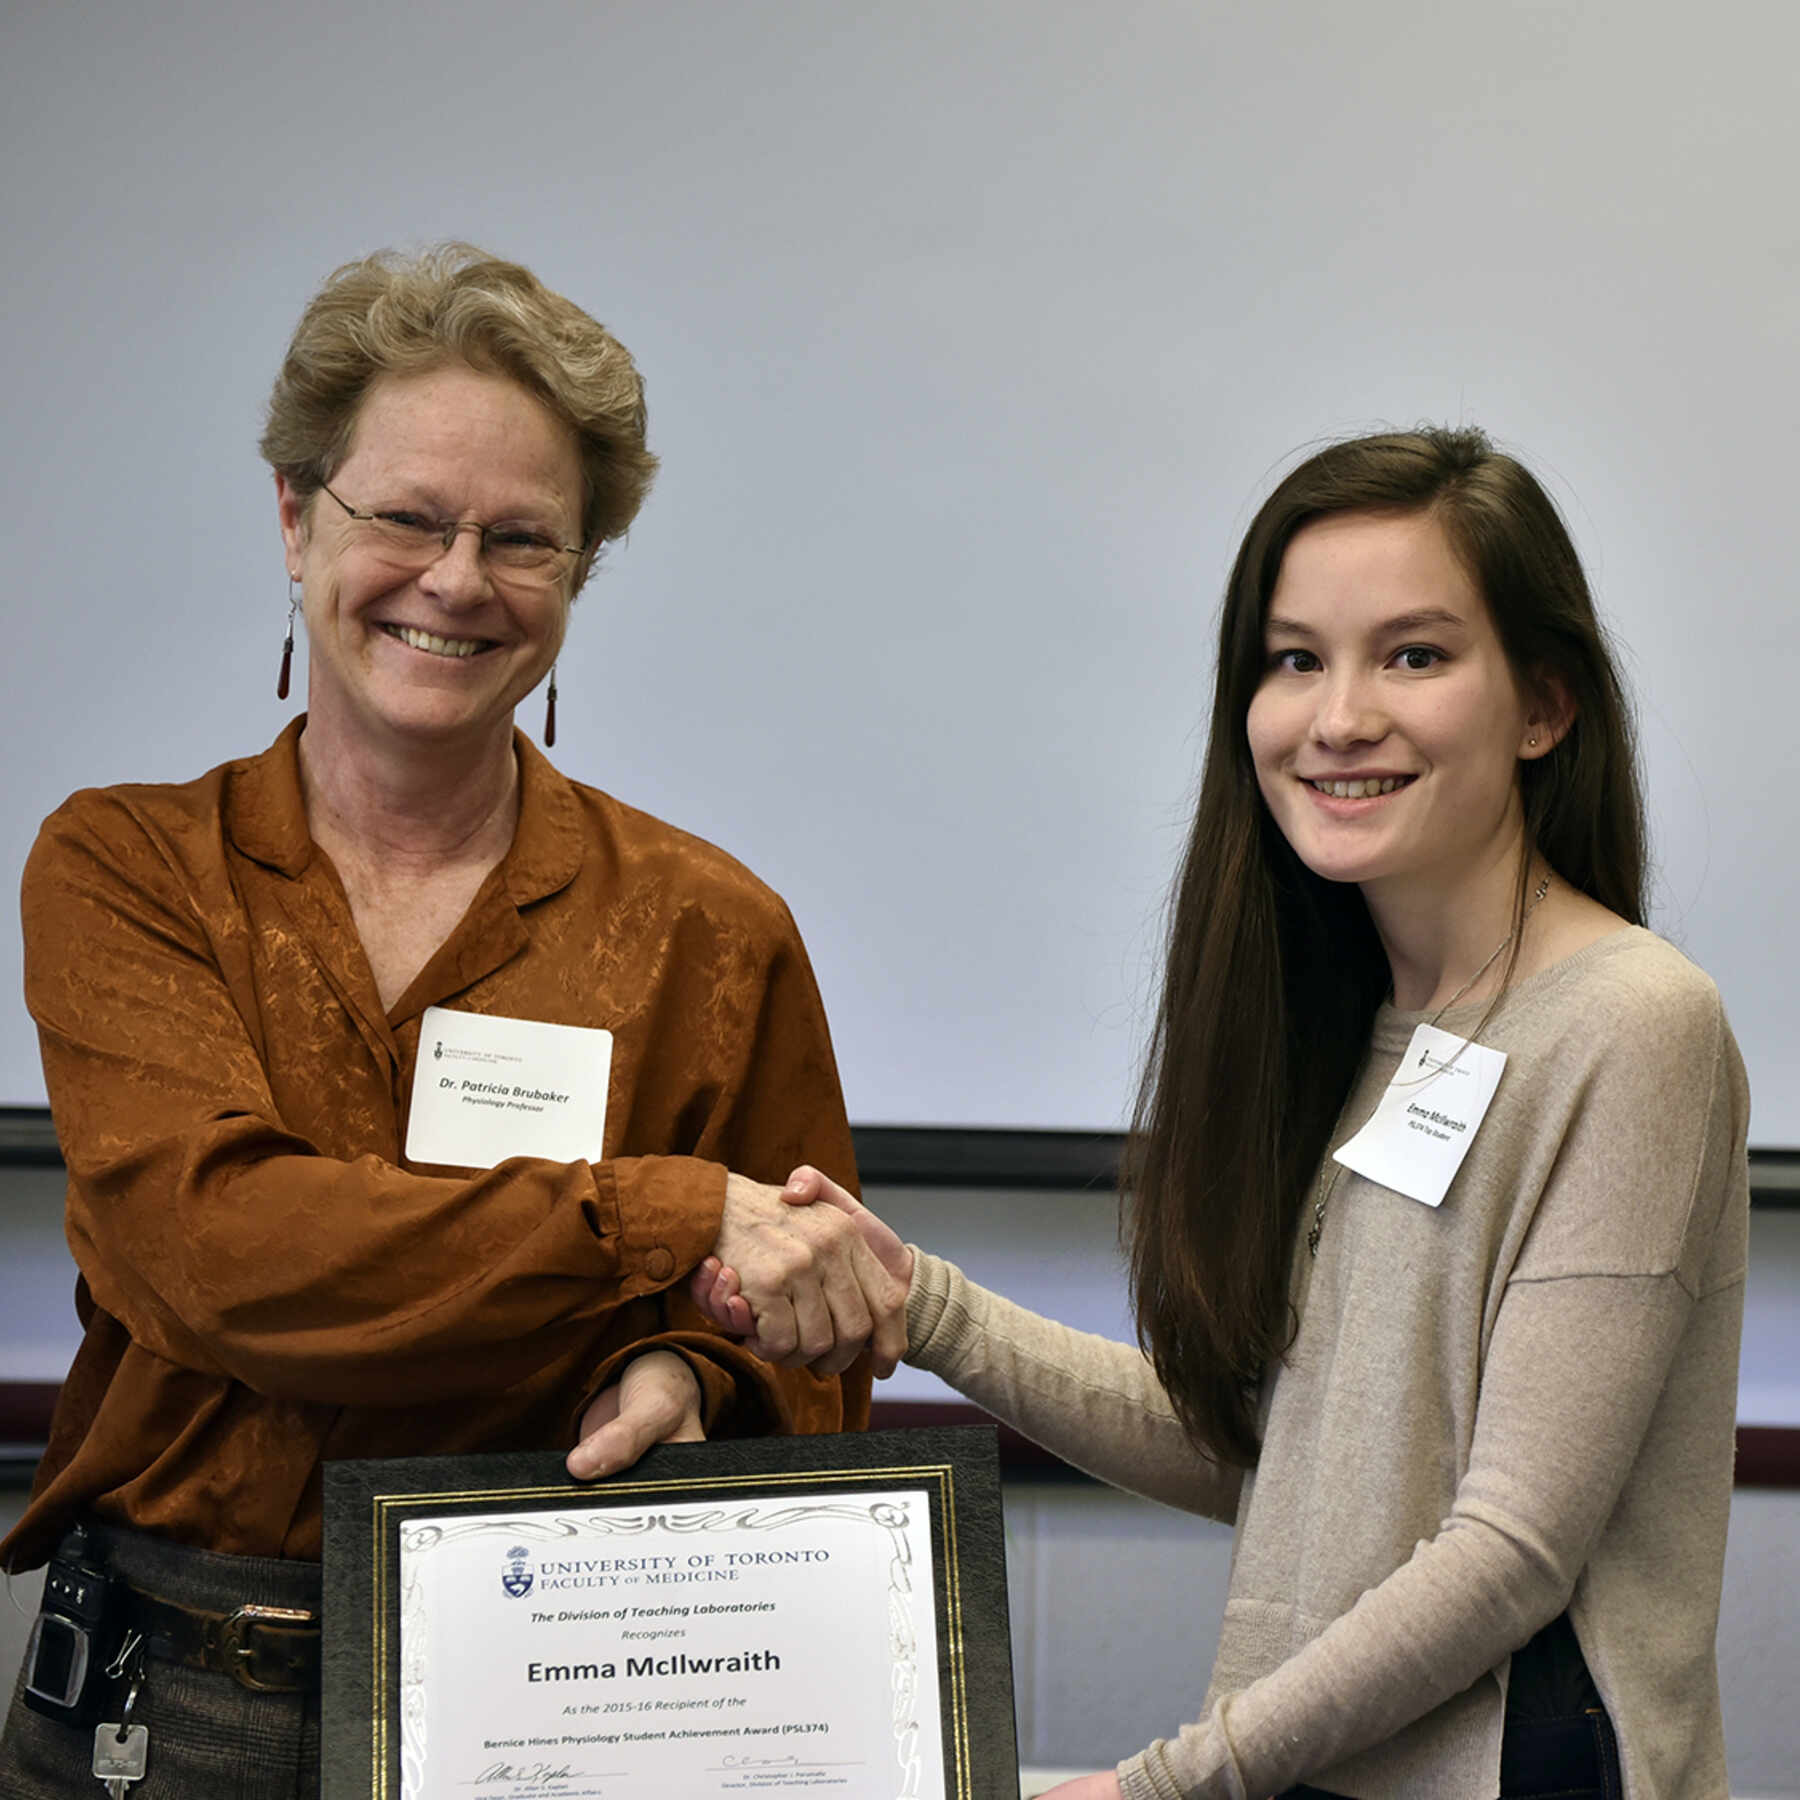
x=415, y=1667
x=527, y=1543
x=903, y=1627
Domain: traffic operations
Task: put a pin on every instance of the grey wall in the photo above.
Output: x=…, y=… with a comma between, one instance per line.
x=972, y=329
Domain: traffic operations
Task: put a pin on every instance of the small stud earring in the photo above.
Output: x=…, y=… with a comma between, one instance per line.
x=287, y=648
x=550, y=711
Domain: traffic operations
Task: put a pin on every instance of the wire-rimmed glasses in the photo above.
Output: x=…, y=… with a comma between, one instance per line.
x=517, y=553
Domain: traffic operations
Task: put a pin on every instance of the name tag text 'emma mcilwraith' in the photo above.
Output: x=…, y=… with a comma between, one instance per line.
x=1422, y=1128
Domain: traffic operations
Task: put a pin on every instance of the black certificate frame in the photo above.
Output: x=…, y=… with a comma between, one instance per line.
x=368, y=1503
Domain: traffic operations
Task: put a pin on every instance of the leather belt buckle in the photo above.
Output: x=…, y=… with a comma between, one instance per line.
x=257, y=1647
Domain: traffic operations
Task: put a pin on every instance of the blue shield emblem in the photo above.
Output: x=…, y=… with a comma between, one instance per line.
x=516, y=1577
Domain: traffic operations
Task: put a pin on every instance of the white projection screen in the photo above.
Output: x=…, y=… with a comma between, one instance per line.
x=973, y=333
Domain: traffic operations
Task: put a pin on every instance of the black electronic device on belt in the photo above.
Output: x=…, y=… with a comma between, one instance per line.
x=66, y=1655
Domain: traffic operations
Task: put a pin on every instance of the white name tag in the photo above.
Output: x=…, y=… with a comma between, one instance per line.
x=1418, y=1135
x=487, y=1088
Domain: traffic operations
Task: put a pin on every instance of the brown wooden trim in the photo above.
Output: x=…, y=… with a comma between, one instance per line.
x=1768, y=1456
x=1018, y=1454
x=25, y=1409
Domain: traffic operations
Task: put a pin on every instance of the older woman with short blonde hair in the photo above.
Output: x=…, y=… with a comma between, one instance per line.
x=231, y=979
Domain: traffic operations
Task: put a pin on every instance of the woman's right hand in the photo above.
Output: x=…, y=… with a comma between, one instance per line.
x=715, y=1285
x=655, y=1401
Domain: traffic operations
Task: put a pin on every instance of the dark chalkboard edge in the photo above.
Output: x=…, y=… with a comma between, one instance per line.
x=1768, y=1456
x=939, y=1156
x=931, y=1156
x=28, y=1139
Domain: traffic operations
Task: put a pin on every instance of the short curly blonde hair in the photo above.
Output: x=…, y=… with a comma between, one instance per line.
x=396, y=314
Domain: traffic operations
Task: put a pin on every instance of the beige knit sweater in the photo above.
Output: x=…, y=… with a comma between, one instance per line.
x=1520, y=1402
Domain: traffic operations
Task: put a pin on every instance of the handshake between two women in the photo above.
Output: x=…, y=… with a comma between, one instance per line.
x=805, y=1274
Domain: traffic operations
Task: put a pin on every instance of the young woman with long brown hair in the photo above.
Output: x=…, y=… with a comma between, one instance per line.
x=1437, y=1188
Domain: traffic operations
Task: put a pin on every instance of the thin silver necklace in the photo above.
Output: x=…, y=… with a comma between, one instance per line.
x=1328, y=1176
x=1537, y=894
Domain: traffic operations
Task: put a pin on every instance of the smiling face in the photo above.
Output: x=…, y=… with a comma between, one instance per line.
x=1388, y=726
x=442, y=651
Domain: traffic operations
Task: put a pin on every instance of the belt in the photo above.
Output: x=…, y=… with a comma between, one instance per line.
x=267, y=1649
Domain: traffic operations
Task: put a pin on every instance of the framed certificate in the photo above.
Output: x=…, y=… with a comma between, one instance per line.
x=808, y=1615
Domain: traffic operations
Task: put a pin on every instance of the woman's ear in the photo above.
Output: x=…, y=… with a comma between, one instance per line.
x=290, y=511
x=1549, y=714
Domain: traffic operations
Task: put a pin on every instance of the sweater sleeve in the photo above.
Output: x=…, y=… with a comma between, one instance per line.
x=228, y=1242
x=1587, y=1330
x=1094, y=1402
x=1550, y=1456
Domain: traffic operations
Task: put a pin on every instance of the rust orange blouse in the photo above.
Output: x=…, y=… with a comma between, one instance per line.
x=266, y=1282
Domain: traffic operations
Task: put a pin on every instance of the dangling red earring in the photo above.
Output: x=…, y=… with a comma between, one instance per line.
x=287, y=648
x=550, y=711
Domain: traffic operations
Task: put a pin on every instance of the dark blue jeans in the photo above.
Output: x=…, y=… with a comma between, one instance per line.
x=1570, y=1759
x=1558, y=1742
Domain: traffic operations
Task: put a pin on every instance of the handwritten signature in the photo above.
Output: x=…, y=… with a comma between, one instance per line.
x=781, y=1762
x=538, y=1771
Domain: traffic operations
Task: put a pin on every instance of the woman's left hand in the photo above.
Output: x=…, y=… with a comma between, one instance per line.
x=1104, y=1786
x=655, y=1401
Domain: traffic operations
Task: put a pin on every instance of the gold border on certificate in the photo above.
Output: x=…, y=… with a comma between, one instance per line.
x=410, y=1494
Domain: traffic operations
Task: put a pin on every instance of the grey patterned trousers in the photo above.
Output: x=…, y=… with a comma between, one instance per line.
x=209, y=1738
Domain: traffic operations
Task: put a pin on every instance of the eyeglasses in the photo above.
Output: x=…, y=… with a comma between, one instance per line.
x=514, y=553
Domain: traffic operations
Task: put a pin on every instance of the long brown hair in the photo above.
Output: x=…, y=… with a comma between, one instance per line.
x=1273, y=974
